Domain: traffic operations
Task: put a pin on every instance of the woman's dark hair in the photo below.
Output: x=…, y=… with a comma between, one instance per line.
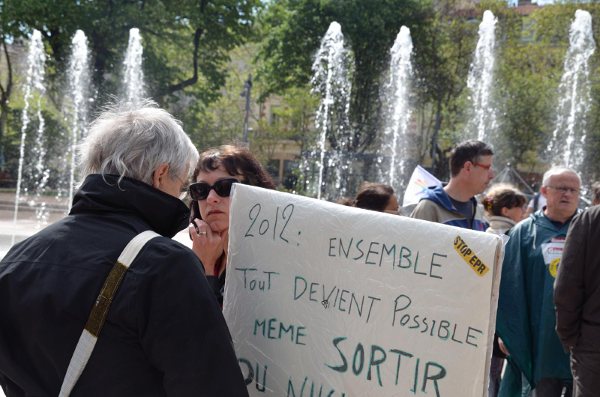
x=236, y=160
x=347, y=201
x=373, y=196
x=503, y=195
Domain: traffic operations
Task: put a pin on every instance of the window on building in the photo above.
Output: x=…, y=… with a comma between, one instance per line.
x=273, y=169
x=289, y=177
x=274, y=116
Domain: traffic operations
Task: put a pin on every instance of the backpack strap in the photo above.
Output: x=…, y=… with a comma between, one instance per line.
x=95, y=321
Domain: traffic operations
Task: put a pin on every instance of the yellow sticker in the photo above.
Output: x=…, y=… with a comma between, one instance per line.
x=469, y=256
x=553, y=267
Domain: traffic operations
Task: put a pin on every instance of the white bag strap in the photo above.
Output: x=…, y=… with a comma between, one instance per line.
x=95, y=321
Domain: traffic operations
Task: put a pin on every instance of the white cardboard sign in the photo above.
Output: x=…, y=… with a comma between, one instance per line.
x=327, y=300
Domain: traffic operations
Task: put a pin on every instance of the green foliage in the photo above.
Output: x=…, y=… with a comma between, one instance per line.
x=290, y=33
x=527, y=92
x=291, y=120
x=529, y=72
x=287, y=117
x=292, y=29
x=169, y=29
x=186, y=45
x=529, y=64
x=442, y=62
x=197, y=57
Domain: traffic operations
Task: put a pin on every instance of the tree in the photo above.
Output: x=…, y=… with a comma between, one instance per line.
x=292, y=30
x=530, y=72
x=276, y=120
x=442, y=63
x=186, y=43
x=291, y=120
x=7, y=30
x=6, y=88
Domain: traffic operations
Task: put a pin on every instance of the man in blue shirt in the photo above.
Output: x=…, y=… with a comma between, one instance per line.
x=454, y=204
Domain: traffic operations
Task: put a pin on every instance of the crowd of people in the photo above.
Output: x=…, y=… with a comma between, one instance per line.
x=547, y=342
x=547, y=321
x=105, y=303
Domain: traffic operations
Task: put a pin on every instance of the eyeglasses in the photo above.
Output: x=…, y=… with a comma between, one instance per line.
x=200, y=190
x=564, y=189
x=184, y=188
x=484, y=166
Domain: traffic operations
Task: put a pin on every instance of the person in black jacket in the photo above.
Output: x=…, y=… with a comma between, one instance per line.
x=164, y=333
x=577, y=301
x=217, y=170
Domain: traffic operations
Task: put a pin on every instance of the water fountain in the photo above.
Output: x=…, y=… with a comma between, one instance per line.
x=482, y=125
x=35, y=154
x=133, y=75
x=34, y=166
x=393, y=160
x=568, y=138
x=36, y=174
x=331, y=81
x=76, y=109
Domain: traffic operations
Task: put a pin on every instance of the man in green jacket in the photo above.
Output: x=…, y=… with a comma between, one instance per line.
x=525, y=320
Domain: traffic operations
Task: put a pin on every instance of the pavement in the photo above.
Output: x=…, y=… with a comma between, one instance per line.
x=12, y=231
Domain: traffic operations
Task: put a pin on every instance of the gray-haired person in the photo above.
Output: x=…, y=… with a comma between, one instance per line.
x=164, y=333
x=525, y=320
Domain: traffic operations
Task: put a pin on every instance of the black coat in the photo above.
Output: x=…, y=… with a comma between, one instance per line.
x=577, y=286
x=164, y=335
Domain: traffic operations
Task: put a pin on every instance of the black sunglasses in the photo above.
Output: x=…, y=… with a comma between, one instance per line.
x=200, y=190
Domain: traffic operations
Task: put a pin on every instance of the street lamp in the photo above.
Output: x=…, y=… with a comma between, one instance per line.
x=246, y=94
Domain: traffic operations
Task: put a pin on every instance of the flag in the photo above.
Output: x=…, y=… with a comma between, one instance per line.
x=419, y=181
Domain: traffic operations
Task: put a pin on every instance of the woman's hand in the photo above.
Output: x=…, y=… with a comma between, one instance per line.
x=503, y=348
x=208, y=245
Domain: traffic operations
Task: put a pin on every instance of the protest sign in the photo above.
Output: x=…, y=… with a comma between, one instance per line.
x=327, y=300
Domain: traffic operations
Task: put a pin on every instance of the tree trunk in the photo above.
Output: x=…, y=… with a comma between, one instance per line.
x=5, y=92
x=192, y=80
x=435, y=151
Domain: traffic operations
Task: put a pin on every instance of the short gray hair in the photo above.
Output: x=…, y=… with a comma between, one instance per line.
x=557, y=171
x=134, y=142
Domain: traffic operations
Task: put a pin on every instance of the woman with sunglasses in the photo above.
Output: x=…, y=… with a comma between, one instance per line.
x=218, y=169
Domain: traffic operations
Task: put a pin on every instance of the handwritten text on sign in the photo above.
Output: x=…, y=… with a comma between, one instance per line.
x=327, y=300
